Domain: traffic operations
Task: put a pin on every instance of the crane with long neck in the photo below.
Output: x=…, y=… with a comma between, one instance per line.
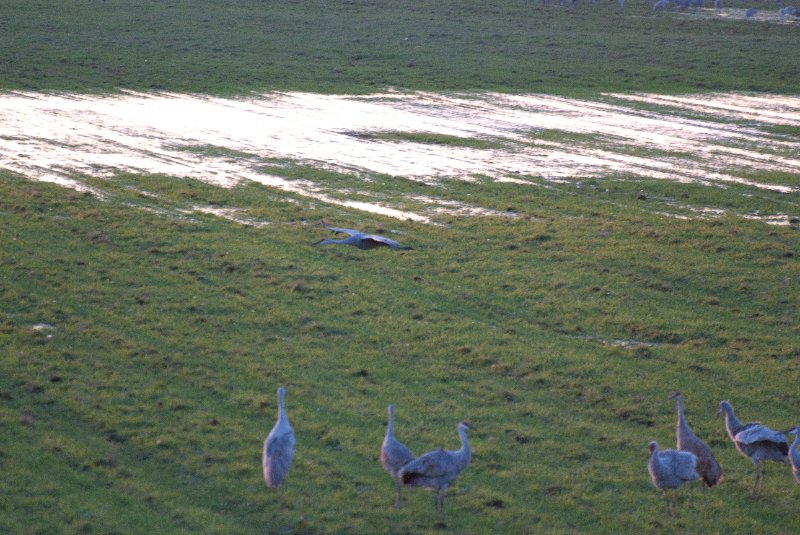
x=279, y=445
x=437, y=469
x=755, y=441
x=707, y=465
x=394, y=455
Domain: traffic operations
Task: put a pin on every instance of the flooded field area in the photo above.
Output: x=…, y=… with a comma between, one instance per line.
x=750, y=141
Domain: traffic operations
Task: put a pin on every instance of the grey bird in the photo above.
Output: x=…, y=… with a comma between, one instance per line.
x=707, y=465
x=279, y=446
x=436, y=470
x=669, y=469
x=394, y=455
x=361, y=239
x=756, y=441
x=794, y=454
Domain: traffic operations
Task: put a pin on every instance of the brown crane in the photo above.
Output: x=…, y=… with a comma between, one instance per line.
x=707, y=465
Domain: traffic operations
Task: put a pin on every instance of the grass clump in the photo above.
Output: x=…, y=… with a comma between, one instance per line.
x=430, y=138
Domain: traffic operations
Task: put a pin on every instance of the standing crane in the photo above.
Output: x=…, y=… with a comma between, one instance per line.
x=437, y=469
x=707, y=466
x=669, y=469
x=756, y=441
x=394, y=455
x=279, y=446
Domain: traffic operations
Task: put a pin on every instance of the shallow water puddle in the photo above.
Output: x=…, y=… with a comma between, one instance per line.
x=508, y=138
x=768, y=12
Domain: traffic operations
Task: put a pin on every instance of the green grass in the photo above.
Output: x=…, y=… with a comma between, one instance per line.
x=364, y=46
x=430, y=138
x=141, y=343
x=565, y=136
x=144, y=407
x=215, y=151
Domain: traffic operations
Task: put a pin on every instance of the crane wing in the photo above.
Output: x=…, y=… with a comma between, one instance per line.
x=341, y=230
x=759, y=433
x=382, y=240
x=432, y=464
x=685, y=465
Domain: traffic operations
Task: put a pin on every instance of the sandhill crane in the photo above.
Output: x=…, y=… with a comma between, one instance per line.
x=437, y=469
x=794, y=454
x=756, y=441
x=707, y=466
x=279, y=446
x=394, y=455
x=669, y=469
x=361, y=239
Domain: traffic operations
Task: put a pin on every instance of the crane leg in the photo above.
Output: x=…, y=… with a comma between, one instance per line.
x=440, y=500
x=667, y=502
x=705, y=493
x=757, y=478
x=397, y=498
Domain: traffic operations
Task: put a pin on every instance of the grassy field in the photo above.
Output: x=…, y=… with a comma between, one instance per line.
x=362, y=45
x=141, y=345
x=142, y=402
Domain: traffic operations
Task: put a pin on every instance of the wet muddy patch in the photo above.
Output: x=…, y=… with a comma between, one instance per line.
x=377, y=142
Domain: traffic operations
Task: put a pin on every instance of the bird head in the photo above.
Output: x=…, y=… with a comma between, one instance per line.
x=464, y=425
x=652, y=446
x=793, y=431
x=722, y=406
x=676, y=395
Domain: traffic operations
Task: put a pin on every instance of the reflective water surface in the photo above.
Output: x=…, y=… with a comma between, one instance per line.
x=714, y=140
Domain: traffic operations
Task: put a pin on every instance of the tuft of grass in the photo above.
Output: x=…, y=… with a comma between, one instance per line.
x=784, y=130
x=565, y=136
x=215, y=151
x=430, y=138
